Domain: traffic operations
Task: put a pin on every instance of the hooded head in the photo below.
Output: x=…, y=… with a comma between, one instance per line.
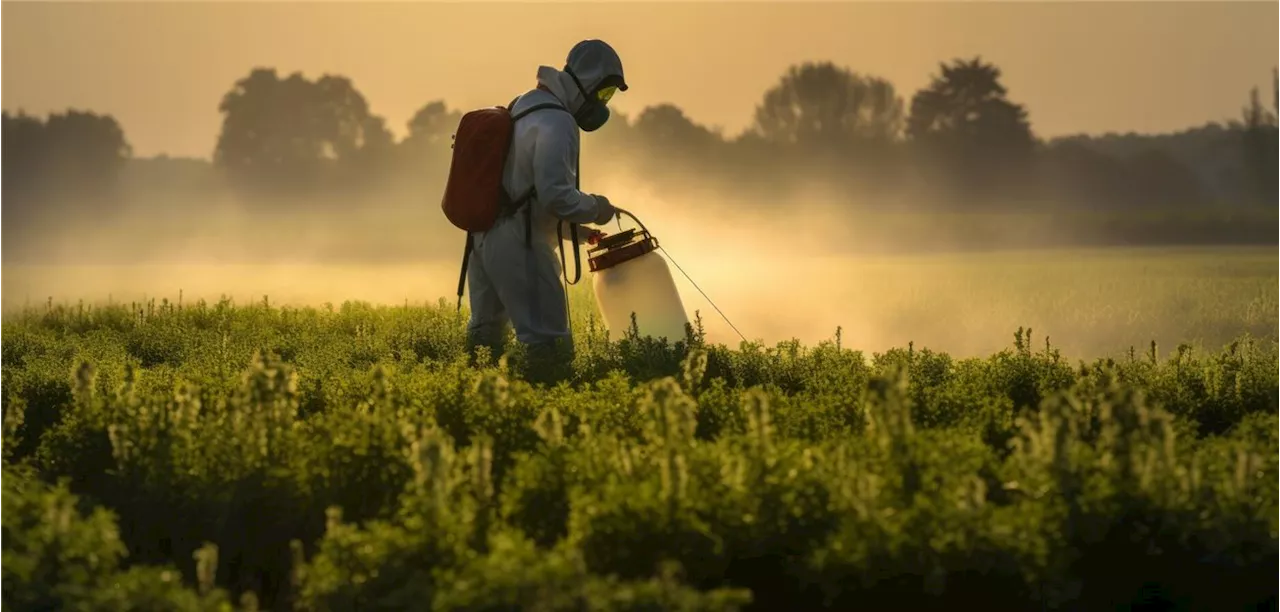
x=594, y=72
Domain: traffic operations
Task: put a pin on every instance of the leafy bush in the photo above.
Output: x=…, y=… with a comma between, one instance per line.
x=188, y=457
x=56, y=556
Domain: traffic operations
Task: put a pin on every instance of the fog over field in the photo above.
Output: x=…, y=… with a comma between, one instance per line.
x=815, y=186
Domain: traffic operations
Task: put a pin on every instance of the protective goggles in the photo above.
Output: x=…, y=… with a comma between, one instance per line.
x=606, y=93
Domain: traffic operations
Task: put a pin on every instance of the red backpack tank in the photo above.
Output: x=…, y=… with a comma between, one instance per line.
x=473, y=194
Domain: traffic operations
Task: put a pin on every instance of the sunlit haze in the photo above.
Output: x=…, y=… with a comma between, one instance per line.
x=1110, y=244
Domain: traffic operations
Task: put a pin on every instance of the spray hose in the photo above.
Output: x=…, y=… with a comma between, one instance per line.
x=619, y=212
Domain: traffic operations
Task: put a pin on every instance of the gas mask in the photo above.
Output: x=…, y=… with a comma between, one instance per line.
x=594, y=112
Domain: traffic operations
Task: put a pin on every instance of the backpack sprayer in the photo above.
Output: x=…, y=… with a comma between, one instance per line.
x=629, y=277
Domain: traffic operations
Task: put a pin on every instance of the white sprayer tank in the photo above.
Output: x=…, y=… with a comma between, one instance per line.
x=630, y=276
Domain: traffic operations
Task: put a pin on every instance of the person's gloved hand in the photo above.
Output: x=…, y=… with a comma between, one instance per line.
x=594, y=236
x=604, y=210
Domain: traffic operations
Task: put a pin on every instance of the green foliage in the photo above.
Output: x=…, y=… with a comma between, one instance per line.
x=189, y=457
x=57, y=555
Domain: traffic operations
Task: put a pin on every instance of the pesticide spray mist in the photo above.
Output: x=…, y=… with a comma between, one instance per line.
x=776, y=277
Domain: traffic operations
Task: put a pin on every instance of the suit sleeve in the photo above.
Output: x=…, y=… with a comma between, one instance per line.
x=555, y=175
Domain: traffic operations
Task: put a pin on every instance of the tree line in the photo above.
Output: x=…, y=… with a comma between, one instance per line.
x=961, y=140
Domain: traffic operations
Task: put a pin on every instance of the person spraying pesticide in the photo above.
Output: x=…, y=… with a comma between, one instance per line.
x=513, y=186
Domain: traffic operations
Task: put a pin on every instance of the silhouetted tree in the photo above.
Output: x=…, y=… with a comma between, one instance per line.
x=1158, y=181
x=667, y=129
x=1212, y=152
x=75, y=152
x=672, y=144
x=822, y=104
x=427, y=149
x=24, y=145
x=58, y=169
x=1261, y=140
x=432, y=126
x=85, y=145
x=1074, y=173
x=965, y=122
x=296, y=134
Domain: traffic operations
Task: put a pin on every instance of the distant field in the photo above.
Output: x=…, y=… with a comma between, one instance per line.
x=1090, y=302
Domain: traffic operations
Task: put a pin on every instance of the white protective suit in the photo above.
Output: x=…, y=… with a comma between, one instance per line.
x=510, y=280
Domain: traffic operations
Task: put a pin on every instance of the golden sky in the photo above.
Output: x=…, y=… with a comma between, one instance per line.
x=1078, y=66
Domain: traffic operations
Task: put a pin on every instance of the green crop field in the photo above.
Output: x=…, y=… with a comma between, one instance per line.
x=1090, y=302
x=193, y=455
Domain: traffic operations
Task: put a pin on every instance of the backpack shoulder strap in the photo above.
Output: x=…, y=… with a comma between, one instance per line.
x=531, y=193
x=537, y=107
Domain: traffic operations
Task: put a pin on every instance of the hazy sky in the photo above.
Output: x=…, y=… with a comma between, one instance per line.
x=1079, y=67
